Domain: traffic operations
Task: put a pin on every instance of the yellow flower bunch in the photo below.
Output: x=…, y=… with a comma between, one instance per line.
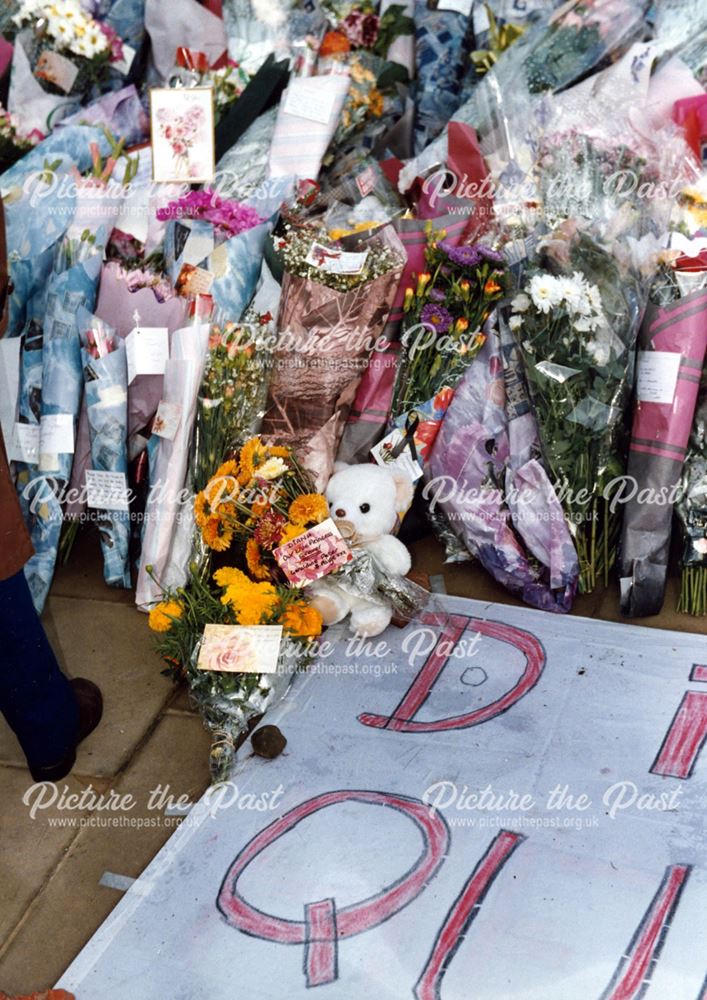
x=260, y=603
x=163, y=615
x=262, y=495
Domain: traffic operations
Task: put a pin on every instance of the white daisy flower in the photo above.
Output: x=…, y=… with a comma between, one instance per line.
x=521, y=303
x=583, y=324
x=544, y=292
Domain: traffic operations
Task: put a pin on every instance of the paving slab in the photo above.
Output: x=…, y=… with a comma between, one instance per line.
x=110, y=644
x=82, y=574
x=32, y=847
x=72, y=904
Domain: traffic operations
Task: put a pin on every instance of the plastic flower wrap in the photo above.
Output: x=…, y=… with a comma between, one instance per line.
x=166, y=542
x=445, y=313
x=229, y=701
x=105, y=374
x=671, y=349
x=442, y=43
x=576, y=321
x=233, y=391
x=72, y=284
x=486, y=474
x=328, y=326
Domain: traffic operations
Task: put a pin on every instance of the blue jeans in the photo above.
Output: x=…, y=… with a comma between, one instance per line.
x=35, y=697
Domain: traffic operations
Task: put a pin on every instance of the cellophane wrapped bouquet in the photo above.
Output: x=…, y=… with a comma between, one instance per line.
x=254, y=502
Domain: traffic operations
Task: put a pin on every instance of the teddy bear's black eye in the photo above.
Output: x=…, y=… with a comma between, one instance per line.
x=364, y=508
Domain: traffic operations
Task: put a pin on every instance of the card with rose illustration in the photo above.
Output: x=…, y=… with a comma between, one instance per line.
x=240, y=649
x=182, y=131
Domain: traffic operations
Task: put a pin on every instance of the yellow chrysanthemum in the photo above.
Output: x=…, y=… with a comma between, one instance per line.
x=202, y=510
x=161, y=617
x=252, y=453
x=253, y=558
x=220, y=490
x=217, y=535
x=301, y=620
x=229, y=468
x=229, y=575
x=290, y=532
x=311, y=507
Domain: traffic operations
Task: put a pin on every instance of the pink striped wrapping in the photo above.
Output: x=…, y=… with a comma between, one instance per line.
x=299, y=144
x=664, y=428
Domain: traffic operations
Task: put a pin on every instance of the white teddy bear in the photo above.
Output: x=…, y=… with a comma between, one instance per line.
x=363, y=501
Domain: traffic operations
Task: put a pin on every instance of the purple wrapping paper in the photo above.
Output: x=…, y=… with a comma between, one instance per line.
x=484, y=474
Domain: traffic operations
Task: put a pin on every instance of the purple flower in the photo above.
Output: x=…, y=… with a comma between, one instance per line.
x=488, y=253
x=439, y=318
x=437, y=295
x=465, y=256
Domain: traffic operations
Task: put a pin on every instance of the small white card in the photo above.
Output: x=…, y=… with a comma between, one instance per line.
x=240, y=649
x=458, y=6
x=24, y=444
x=310, y=98
x=124, y=64
x=167, y=420
x=106, y=490
x=335, y=261
x=404, y=462
x=657, y=376
x=56, y=434
x=148, y=351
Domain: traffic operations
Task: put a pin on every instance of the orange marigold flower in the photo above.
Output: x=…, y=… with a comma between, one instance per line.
x=253, y=454
x=491, y=287
x=301, y=620
x=254, y=560
x=334, y=43
x=202, y=510
x=217, y=535
x=162, y=616
x=309, y=507
x=229, y=575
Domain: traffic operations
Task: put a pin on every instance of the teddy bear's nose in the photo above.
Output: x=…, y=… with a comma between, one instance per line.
x=340, y=512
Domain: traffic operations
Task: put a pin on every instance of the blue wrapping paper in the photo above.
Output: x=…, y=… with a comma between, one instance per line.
x=442, y=54
x=106, y=383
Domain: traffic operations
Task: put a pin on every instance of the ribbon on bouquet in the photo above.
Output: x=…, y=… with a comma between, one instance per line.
x=500, y=39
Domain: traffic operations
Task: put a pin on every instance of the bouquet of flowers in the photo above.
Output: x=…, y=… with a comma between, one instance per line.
x=253, y=503
x=14, y=141
x=233, y=392
x=232, y=701
x=334, y=306
x=485, y=473
x=445, y=312
x=672, y=346
x=71, y=53
x=106, y=388
x=259, y=500
x=214, y=246
x=576, y=321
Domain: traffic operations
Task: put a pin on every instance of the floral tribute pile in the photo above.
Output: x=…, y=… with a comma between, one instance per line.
x=469, y=248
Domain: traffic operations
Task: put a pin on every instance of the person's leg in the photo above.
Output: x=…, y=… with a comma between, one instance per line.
x=35, y=697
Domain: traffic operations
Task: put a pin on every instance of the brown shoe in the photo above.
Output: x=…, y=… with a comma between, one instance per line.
x=90, y=705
